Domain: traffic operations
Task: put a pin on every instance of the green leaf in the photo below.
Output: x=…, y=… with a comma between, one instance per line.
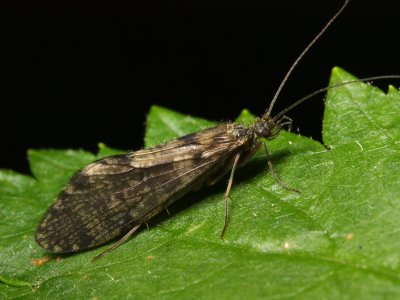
x=338, y=239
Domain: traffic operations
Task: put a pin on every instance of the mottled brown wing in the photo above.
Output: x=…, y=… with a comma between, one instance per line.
x=110, y=196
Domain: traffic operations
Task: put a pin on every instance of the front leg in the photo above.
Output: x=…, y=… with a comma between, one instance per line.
x=226, y=195
x=244, y=158
x=213, y=180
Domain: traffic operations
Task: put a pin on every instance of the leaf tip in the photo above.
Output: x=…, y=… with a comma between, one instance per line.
x=392, y=90
x=245, y=116
x=336, y=70
x=156, y=109
x=31, y=152
x=339, y=75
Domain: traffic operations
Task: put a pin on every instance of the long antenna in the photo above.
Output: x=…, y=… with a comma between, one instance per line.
x=278, y=92
x=298, y=102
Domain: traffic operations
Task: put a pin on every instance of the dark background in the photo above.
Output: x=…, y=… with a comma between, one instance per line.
x=75, y=73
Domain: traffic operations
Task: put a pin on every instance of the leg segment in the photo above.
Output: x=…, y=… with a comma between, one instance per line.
x=226, y=196
x=272, y=170
x=118, y=243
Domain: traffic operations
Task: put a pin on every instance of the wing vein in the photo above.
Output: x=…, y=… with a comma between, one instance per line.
x=106, y=216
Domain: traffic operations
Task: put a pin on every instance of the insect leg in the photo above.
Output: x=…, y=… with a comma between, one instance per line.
x=272, y=170
x=247, y=155
x=214, y=180
x=226, y=196
x=166, y=209
x=118, y=243
x=287, y=122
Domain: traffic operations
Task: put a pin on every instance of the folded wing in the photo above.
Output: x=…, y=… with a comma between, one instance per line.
x=110, y=196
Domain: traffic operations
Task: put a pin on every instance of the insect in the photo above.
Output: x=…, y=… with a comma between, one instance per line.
x=114, y=196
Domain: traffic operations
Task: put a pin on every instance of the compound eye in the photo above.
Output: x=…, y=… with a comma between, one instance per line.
x=240, y=131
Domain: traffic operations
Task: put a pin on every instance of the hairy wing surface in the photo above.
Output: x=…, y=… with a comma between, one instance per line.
x=111, y=195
